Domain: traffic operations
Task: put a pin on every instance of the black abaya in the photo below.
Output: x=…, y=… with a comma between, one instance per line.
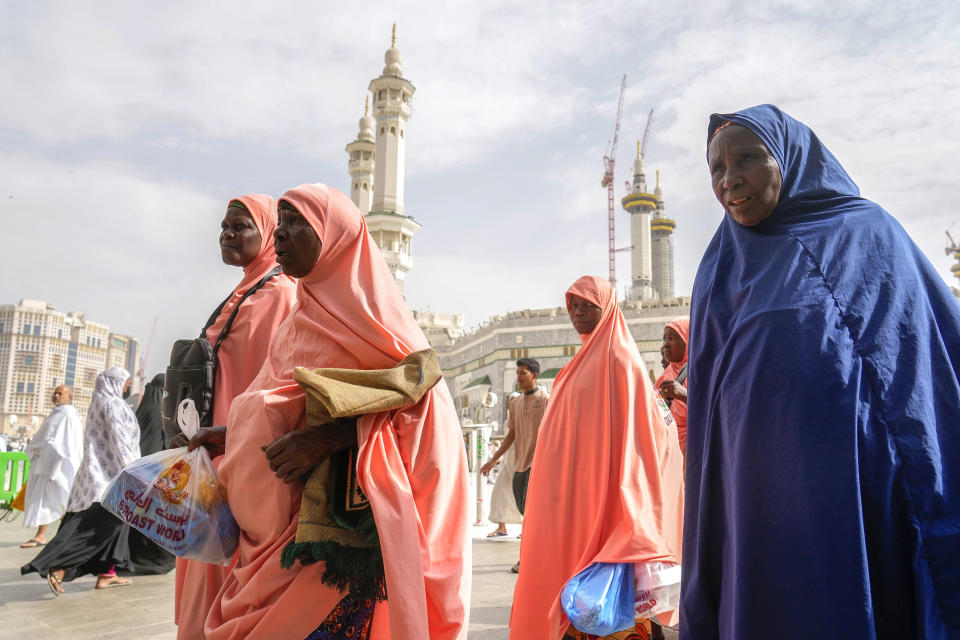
x=146, y=555
x=89, y=541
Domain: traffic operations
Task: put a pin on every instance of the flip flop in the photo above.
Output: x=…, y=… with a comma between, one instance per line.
x=32, y=543
x=55, y=584
x=497, y=534
x=118, y=582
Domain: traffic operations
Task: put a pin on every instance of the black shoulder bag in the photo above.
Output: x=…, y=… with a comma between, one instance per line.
x=192, y=371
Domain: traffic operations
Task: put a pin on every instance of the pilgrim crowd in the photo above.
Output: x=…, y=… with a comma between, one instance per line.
x=793, y=473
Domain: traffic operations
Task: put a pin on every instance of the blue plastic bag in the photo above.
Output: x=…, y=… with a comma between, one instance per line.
x=599, y=599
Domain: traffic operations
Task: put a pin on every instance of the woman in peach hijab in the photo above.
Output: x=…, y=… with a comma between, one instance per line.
x=606, y=484
x=411, y=463
x=672, y=383
x=246, y=240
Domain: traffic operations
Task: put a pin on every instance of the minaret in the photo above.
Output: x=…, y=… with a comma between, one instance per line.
x=661, y=231
x=390, y=227
x=640, y=204
x=360, y=164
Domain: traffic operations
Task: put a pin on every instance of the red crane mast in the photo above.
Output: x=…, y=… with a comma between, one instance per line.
x=609, y=161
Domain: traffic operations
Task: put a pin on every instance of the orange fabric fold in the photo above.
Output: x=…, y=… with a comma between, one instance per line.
x=238, y=362
x=677, y=408
x=412, y=464
x=606, y=483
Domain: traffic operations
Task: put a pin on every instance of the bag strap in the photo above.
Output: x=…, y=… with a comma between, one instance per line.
x=213, y=316
x=682, y=375
x=226, y=329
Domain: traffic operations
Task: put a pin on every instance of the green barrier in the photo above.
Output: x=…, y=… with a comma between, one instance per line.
x=14, y=467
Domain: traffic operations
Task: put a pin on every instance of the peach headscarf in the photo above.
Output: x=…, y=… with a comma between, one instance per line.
x=606, y=482
x=243, y=351
x=239, y=360
x=678, y=408
x=412, y=465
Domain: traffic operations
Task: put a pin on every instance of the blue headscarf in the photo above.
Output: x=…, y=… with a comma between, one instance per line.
x=813, y=180
x=823, y=437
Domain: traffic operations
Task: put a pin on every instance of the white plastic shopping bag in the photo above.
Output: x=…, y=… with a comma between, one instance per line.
x=656, y=588
x=174, y=498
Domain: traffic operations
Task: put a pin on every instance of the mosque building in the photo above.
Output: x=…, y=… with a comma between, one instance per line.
x=483, y=360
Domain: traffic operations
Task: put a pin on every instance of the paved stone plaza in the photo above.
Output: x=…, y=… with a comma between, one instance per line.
x=144, y=610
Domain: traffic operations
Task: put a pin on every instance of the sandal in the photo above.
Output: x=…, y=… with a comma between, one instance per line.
x=497, y=534
x=113, y=581
x=32, y=543
x=55, y=583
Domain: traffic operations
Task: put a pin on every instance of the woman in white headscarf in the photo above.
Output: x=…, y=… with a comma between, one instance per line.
x=90, y=538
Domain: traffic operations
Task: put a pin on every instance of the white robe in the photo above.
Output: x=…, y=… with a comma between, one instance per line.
x=503, y=504
x=55, y=452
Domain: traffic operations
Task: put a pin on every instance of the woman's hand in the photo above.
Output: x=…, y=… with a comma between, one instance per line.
x=213, y=439
x=295, y=455
x=179, y=440
x=673, y=390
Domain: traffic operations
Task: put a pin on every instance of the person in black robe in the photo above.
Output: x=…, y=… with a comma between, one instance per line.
x=147, y=556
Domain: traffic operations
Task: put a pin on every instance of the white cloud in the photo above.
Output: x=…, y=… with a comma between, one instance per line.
x=120, y=247
x=290, y=75
x=882, y=97
x=513, y=113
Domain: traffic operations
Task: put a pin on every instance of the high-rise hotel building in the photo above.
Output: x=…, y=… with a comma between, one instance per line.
x=41, y=348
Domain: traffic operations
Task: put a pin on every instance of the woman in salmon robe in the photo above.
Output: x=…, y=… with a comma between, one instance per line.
x=239, y=359
x=606, y=482
x=411, y=465
x=678, y=403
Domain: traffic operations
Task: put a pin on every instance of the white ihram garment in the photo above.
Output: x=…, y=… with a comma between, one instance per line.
x=503, y=504
x=55, y=452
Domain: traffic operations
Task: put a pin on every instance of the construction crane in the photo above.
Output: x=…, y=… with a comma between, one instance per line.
x=646, y=135
x=609, y=162
x=953, y=249
x=642, y=146
x=144, y=356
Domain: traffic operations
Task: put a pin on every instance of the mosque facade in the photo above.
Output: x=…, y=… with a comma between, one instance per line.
x=482, y=361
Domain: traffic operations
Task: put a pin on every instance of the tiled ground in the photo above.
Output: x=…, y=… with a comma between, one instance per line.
x=29, y=610
x=144, y=610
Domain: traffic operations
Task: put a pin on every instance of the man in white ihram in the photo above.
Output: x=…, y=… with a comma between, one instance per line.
x=55, y=452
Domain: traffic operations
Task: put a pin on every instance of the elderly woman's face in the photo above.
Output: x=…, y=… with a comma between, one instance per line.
x=239, y=238
x=746, y=177
x=584, y=315
x=295, y=241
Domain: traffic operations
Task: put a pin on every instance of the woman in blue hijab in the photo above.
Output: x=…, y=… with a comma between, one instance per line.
x=823, y=442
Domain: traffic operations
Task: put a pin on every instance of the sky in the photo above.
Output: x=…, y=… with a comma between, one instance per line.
x=125, y=128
